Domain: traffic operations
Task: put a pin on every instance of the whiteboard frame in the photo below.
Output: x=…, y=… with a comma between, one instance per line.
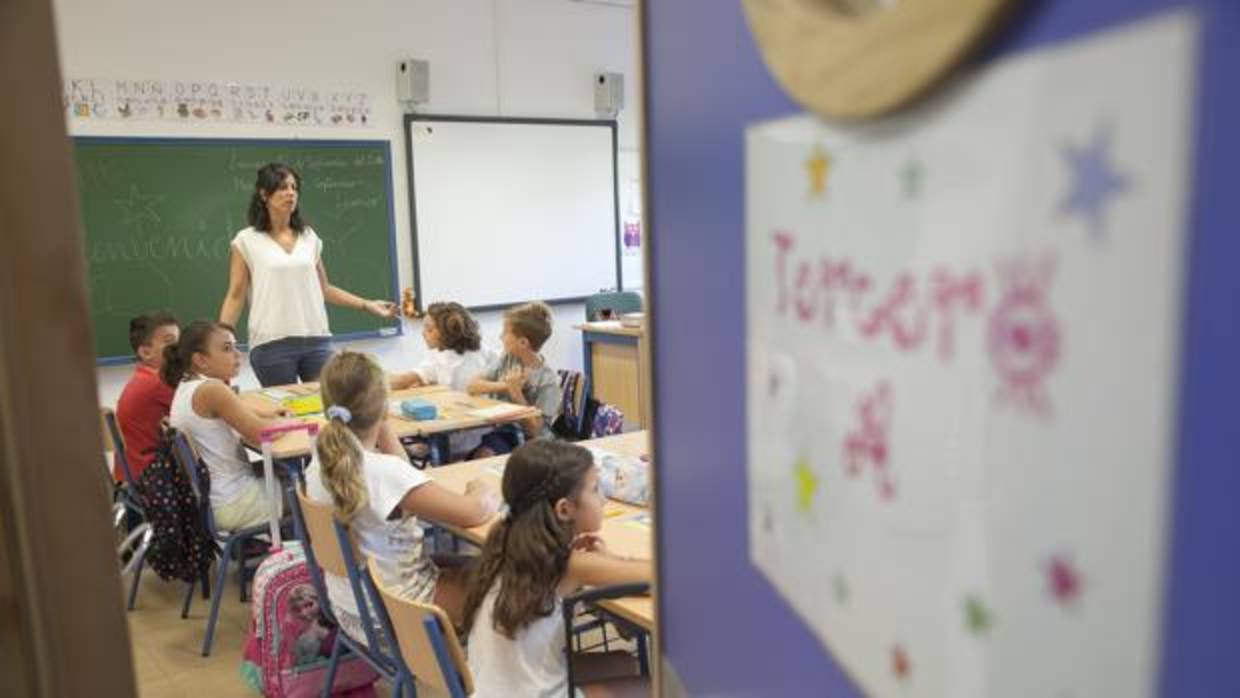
x=409, y=121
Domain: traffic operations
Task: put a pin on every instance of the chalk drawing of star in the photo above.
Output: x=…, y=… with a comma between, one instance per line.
x=807, y=485
x=138, y=207
x=1095, y=182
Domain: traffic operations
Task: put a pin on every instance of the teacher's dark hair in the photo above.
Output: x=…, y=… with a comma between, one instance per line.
x=270, y=177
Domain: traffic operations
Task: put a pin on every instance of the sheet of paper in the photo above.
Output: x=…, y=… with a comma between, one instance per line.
x=962, y=362
x=497, y=411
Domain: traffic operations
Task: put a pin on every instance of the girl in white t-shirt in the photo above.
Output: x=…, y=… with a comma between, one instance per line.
x=361, y=469
x=199, y=367
x=544, y=549
x=455, y=359
x=277, y=266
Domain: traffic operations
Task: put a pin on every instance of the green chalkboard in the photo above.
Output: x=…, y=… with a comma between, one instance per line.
x=159, y=216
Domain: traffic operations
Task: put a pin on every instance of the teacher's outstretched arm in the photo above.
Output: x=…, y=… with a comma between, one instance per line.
x=338, y=296
x=238, y=289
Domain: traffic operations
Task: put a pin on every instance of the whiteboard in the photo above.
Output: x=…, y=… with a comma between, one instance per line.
x=510, y=210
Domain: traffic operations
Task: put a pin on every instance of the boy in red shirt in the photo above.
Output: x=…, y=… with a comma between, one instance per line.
x=146, y=399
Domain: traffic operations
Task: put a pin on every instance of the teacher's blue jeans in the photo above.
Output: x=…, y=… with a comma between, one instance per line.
x=284, y=361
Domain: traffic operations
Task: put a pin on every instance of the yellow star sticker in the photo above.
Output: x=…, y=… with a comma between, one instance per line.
x=807, y=485
x=819, y=164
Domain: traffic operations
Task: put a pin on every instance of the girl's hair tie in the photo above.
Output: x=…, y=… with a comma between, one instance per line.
x=340, y=413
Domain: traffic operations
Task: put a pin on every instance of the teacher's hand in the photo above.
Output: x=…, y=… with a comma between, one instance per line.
x=385, y=309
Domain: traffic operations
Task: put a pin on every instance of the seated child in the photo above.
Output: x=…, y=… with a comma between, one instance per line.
x=456, y=355
x=455, y=359
x=146, y=400
x=360, y=468
x=521, y=376
x=545, y=548
x=200, y=367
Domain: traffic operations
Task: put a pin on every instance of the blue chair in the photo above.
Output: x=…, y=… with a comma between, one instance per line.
x=429, y=647
x=232, y=543
x=568, y=608
x=133, y=501
x=328, y=548
x=617, y=302
x=574, y=403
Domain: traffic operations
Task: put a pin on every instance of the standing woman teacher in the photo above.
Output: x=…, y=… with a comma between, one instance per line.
x=277, y=265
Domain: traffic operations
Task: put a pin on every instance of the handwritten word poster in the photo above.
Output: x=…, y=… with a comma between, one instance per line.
x=962, y=370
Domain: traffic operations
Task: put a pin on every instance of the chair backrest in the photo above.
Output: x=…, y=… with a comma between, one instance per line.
x=104, y=431
x=428, y=642
x=365, y=595
x=618, y=302
x=574, y=389
x=307, y=545
x=317, y=522
x=114, y=440
x=185, y=453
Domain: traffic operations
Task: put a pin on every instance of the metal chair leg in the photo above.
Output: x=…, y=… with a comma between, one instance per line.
x=216, y=593
x=189, y=597
x=137, y=578
x=643, y=656
x=332, y=664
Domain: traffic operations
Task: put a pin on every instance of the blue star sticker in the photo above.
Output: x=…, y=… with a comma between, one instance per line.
x=1094, y=182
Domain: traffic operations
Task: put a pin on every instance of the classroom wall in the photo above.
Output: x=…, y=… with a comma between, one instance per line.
x=487, y=57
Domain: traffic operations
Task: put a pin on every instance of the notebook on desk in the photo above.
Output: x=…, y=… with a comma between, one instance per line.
x=304, y=404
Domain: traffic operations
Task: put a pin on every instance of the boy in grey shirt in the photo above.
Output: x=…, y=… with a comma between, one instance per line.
x=522, y=377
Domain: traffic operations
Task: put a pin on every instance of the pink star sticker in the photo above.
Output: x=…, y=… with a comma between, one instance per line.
x=1065, y=580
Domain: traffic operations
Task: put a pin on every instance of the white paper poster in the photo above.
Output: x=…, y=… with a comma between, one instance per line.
x=207, y=101
x=962, y=371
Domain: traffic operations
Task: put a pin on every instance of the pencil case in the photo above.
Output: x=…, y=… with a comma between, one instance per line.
x=420, y=410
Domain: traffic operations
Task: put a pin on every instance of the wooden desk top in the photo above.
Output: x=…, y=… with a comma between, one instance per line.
x=627, y=530
x=611, y=327
x=456, y=413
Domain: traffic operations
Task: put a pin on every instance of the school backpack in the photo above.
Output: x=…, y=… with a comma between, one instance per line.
x=608, y=421
x=290, y=642
x=181, y=547
x=581, y=416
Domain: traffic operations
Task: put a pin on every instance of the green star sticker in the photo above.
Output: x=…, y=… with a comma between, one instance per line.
x=840, y=586
x=911, y=175
x=807, y=485
x=977, y=617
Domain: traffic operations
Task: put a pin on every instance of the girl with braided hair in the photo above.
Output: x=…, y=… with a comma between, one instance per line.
x=545, y=548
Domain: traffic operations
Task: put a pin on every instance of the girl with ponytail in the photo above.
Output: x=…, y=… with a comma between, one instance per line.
x=361, y=469
x=545, y=548
x=199, y=367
